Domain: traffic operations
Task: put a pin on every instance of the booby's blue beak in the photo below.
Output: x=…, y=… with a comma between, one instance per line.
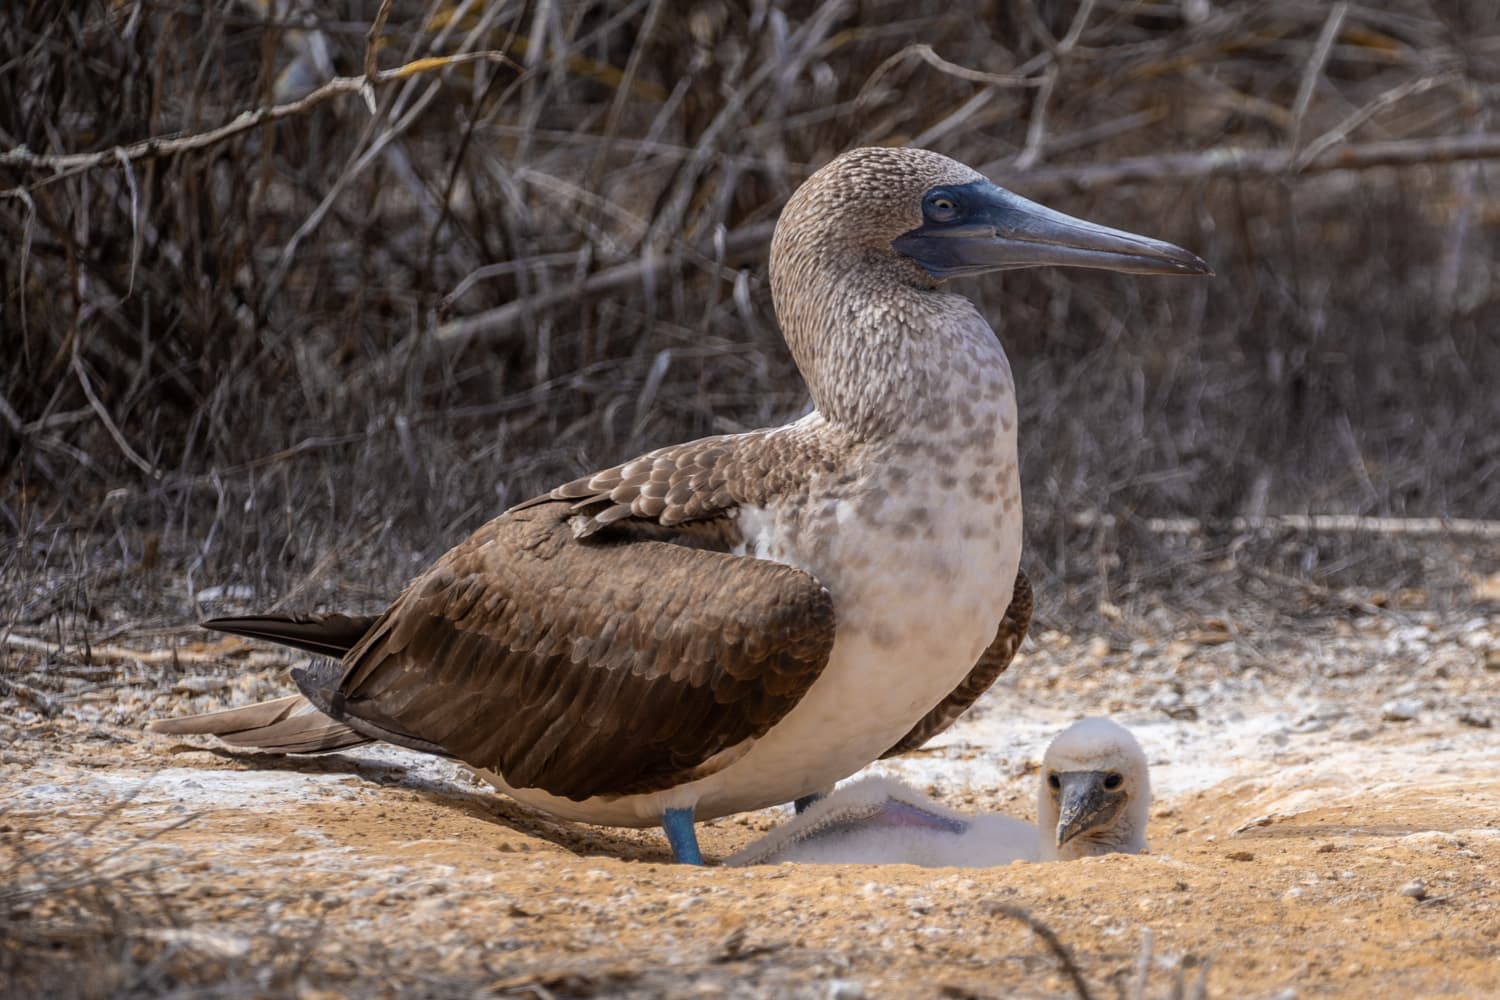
x=978, y=227
x=1086, y=800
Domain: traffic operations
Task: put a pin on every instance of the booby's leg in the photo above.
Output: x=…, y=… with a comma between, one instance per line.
x=678, y=823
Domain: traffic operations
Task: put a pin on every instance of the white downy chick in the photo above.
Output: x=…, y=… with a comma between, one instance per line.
x=1094, y=798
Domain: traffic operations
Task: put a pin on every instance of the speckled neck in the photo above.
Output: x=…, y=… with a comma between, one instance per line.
x=884, y=354
x=883, y=351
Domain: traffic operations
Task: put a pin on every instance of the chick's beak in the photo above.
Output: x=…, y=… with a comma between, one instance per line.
x=1084, y=803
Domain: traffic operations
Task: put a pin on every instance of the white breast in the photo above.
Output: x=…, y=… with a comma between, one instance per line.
x=916, y=610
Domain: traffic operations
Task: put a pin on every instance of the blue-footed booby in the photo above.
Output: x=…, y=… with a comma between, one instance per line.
x=742, y=620
x=1093, y=798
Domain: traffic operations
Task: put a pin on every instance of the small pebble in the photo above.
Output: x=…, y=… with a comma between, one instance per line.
x=199, y=685
x=845, y=989
x=1476, y=636
x=1402, y=709
x=1416, y=889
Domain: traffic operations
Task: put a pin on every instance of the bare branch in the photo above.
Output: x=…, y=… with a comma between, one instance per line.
x=1049, y=938
x=135, y=218
x=1345, y=128
x=1036, y=131
x=372, y=39
x=937, y=62
x=1315, y=66
x=1168, y=168
x=1229, y=161
x=1326, y=524
x=67, y=164
x=22, y=195
x=495, y=323
x=109, y=423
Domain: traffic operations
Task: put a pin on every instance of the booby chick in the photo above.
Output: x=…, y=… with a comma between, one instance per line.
x=742, y=620
x=1094, y=798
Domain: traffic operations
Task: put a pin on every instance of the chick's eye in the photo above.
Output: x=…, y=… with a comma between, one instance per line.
x=1113, y=781
x=1053, y=782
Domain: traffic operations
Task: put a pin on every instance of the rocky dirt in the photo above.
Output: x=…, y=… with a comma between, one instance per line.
x=1326, y=823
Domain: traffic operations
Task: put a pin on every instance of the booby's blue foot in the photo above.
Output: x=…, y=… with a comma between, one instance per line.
x=680, y=834
x=802, y=804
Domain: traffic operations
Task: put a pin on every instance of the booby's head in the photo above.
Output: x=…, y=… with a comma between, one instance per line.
x=857, y=259
x=941, y=219
x=1095, y=794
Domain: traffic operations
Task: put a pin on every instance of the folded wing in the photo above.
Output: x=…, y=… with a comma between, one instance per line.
x=606, y=667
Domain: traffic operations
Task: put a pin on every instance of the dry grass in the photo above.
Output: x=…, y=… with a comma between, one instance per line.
x=303, y=360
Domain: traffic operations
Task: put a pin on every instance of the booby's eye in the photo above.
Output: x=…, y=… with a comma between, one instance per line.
x=940, y=206
x=1113, y=781
x=1053, y=782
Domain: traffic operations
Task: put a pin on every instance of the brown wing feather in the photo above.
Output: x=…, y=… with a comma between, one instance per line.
x=607, y=666
x=990, y=666
x=684, y=485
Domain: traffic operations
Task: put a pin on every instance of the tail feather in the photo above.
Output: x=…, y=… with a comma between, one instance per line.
x=325, y=635
x=228, y=721
x=286, y=725
x=293, y=724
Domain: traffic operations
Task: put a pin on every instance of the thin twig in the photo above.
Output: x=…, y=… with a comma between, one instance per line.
x=1036, y=126
x=68, y=164
x=109, y=423
x=495, y=323
x=1075, y=30
x=1330, y=524
x=1173, y=167
x=1200, y=988
x=215, y=654
x=135, y=219
x=1315, y=66
x=1345, y=128
x=1142, y=966
x=1230, y=161
x=26, y=233
x=315, y=218
x=1058, y=949
x=1313, y=591
x=1036, y=130
x=937, y=62
x=372, y=39
x=959, y=117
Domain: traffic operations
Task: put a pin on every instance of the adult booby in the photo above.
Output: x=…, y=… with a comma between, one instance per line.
x=1093, y=797
x=741, y=620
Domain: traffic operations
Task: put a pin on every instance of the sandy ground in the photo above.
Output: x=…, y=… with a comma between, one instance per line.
x=1327, y=823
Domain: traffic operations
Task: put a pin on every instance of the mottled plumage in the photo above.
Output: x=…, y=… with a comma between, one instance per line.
x=630, y=683
x=741, y=620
